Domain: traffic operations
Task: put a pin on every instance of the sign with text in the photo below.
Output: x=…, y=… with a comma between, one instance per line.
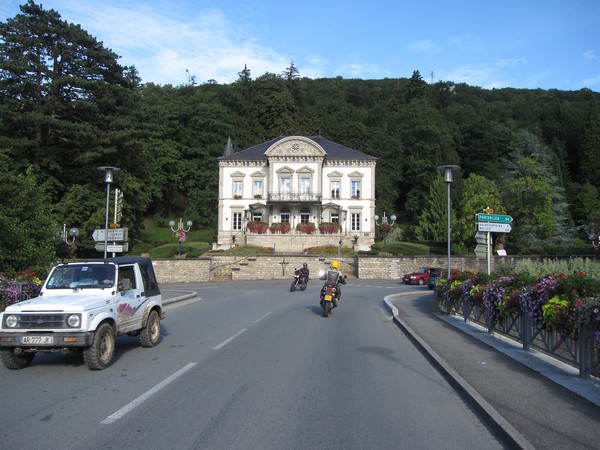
x=501, y=218
x=112, y=248
x=493, y=227
x=114, y=234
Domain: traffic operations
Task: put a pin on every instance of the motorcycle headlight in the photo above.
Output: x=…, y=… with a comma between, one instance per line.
x=11, y=321
x=74, y=320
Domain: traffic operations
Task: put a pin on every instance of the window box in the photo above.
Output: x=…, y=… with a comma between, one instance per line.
x=257, y=226
x=257, y=196
x=237, y=197
x=280, y=227
x=329, y=227
x=308, y=228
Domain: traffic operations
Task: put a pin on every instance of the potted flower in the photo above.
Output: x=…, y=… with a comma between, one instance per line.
x=329, y=227
x=257, y=196
x=237, y=197
x=257, y=226
x=280, y=227
x=308, y=228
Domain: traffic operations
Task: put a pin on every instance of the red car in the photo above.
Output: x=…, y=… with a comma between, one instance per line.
x=420, y=276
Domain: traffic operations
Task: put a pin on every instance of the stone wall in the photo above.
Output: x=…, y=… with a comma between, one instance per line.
x=282, y=266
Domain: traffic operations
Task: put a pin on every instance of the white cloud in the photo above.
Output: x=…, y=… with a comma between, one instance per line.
x=422, y=46
x=590, y=55
x=162, y=47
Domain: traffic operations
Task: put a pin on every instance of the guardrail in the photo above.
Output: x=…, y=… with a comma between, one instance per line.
x=580, y=353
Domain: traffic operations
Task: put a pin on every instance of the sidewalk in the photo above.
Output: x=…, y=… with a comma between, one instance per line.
x=528, y=398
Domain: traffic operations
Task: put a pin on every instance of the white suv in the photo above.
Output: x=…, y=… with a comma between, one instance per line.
x=84, y=306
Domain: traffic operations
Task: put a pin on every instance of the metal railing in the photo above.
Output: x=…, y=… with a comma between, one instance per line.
x=580, y=353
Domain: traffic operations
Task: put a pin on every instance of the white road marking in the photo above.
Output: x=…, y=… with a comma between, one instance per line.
x=227, y=341
x=127, y=408
x=261, y=318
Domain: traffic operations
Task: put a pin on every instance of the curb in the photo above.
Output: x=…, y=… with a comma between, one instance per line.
x=185, y=295
x=491, y=417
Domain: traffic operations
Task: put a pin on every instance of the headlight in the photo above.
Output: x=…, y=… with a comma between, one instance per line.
x=74, y=320
x=11, y=321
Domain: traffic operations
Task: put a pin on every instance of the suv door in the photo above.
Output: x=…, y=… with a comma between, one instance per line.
x=131, y=300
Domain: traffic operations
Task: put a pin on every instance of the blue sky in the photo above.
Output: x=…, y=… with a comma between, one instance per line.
x=548, y=44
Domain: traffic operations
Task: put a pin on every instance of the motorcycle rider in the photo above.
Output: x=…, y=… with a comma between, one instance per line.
x=335, y=277
x=305, y=272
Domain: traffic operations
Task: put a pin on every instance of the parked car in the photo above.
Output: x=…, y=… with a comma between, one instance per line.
x=420, y=276
x=434, y=274
x=83, y=306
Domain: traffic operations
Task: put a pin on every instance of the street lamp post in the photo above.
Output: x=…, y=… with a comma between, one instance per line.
x=109, y=174
x=180, y=232
x=448, y=178
x=385, y=228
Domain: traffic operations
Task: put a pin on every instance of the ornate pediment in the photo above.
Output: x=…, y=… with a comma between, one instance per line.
x=294, y=146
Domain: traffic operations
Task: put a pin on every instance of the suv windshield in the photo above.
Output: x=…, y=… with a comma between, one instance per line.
x=82, y=276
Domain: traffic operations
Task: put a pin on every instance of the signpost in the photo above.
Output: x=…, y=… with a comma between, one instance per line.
x=114, y=234
x=494, y=218
x=114, y=248
x=481, y=251
x=494, y=227
x=481, y=237
x=488, y=223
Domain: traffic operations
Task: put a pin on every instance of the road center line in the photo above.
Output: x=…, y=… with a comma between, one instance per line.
x=124, y=410
x=227, y=341
x=261, y=318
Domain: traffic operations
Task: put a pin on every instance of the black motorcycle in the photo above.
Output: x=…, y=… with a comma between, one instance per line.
x=299, y=281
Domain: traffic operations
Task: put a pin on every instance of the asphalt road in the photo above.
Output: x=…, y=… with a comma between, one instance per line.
x=248, y=365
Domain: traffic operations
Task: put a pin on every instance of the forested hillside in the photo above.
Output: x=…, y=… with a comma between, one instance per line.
x=67, y=107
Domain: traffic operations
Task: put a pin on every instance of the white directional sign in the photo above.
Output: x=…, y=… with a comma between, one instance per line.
x=494, y=227
x=481, y=251
x=114, y=234
x=481, y=237
x=114, y=248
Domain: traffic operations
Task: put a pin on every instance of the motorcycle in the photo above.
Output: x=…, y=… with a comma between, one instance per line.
x=299, y=281
x=330, y=295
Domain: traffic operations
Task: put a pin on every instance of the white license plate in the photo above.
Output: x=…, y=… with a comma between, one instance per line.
x=37, y=340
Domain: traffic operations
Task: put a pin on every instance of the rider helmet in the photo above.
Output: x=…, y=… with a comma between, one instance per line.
x=305, y=265
x=335, y=264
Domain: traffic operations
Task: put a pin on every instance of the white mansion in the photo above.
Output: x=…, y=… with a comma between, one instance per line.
x=294, y=192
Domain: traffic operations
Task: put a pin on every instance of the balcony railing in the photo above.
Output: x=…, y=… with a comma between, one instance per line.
x=294, y=197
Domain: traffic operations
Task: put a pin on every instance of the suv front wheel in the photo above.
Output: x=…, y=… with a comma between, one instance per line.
x=100, y=354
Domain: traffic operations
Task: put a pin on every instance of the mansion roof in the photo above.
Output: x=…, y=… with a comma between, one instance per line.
x=332, y=150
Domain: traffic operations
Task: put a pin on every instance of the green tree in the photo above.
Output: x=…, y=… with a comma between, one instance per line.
x=433, y=220
x=28, y=229
x=66, y=106
x=477, y=194
x=534, y=195
x=590, y=147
